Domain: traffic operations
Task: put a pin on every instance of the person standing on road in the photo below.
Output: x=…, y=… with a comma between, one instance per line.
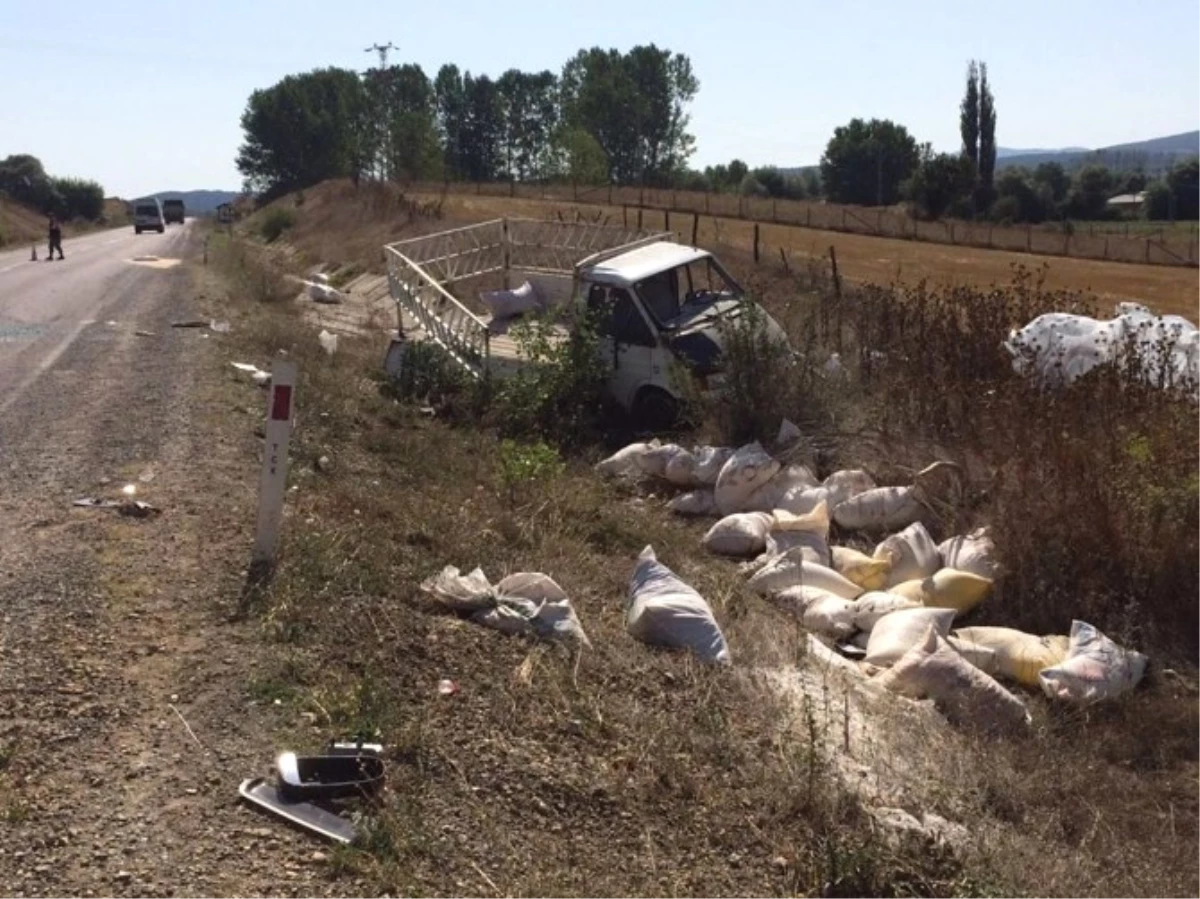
x=55, y=239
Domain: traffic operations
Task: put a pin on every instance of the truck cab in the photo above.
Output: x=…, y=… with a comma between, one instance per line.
x=661, y=307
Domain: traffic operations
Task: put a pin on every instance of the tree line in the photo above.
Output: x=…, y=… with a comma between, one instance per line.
x=24, y=178
x=621, y=118
x=607, y=116
x=878, y=162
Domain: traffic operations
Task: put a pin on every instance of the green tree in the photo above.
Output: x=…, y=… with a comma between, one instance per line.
x=450, y=110
x=968, y=118
x=939, y=181
x=528, y=117
x=866, y=162
x=634, y=105
x=24, y=179
x=1183, y=182
x=1052, y=183
x=481, y=129
x=80, y=198
x=303, y=130
x=579, y=158
x=1156, y=206
x=987, y=137
x=1025, y=204
x=1089, y=195
x=401, y=103
x=812, y=184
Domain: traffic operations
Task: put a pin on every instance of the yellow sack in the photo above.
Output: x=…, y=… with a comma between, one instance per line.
x=947, y=589
x=861, y=569
x=1019, y=656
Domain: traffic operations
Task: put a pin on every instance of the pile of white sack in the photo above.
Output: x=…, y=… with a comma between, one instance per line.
x=893, y=607
x=1058, y=348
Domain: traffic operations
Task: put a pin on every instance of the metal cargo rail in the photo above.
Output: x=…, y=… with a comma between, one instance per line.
x=423, y=271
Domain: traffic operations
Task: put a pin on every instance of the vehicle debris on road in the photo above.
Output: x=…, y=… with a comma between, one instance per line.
x=312, y=791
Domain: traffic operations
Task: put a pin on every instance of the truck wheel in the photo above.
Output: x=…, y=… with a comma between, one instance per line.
x=655, y=409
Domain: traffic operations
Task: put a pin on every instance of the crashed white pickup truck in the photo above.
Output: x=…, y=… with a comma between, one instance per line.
x=660, y=303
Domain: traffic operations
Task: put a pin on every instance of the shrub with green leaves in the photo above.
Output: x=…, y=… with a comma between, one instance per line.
x=560, y=395
x=275, y=221
x=523, y=465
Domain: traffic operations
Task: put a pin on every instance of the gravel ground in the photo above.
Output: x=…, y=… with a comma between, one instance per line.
x=115, y=631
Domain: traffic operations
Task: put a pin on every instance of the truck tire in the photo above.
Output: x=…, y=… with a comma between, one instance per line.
x=655, y=409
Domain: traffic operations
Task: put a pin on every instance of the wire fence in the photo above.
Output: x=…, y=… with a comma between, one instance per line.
x=1134, y=243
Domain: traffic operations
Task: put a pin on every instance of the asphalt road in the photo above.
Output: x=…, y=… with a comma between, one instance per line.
x=46, y=306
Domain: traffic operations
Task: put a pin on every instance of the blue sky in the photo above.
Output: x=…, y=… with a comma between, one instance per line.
x=147, y=96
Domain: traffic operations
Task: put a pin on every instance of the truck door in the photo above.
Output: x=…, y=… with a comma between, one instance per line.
x=626, y=340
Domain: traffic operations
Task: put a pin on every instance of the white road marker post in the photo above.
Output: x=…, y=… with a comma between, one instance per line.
x=272, y=483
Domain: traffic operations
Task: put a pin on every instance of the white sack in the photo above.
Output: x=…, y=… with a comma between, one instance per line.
x=963, y=693
x=793, y=570
x=974, y=552
x=697, y=503
x=912, y=552
x=510, y=303
x=525, y=603
x=739, y=534
x=897, y=632
x=662, y=610
x=872, y=606
x=1096, y=668
x=626, y=462
x=745, y=471
x=709, y=462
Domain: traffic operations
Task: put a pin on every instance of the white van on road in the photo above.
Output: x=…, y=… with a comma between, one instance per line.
x=148, y=216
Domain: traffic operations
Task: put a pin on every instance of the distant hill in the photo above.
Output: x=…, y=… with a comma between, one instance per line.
x=1153, y=156
x=199, y=202
x=1005, y=152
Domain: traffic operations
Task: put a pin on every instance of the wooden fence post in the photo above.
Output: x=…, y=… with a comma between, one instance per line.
x=808, y=216
x=695, y=226
x=787, y=269
x=756, y=243
x=837, y=282
x=625, y=215
x=639, y=218
x=666, y=219
x=610, y=194
x=1029, y=238
x=774, y=209
x=1105, y=247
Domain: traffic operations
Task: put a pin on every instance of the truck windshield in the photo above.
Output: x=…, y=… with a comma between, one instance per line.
x=686, y=290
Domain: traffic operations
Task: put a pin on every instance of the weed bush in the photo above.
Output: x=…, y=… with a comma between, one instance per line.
x=561, y=395
x=275, y=221
x=765, y=381
x=1091, y=490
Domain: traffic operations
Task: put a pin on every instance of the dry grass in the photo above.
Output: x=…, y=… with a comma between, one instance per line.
x=631, y=771
x=1121, y=242
x=620, y=771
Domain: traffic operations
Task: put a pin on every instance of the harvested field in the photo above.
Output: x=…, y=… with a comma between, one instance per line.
x=1166, y=289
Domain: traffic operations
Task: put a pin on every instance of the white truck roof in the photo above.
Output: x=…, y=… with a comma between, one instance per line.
x=629, y=268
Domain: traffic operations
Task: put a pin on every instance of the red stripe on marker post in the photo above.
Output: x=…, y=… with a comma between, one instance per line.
x=281, y=402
